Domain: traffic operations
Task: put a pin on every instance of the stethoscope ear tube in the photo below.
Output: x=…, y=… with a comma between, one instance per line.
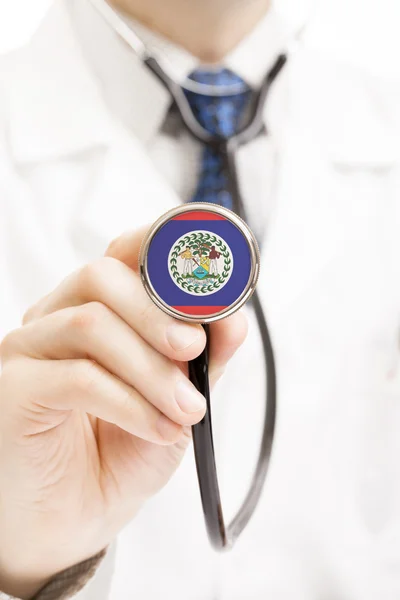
x=220, y=536
x=255, y=123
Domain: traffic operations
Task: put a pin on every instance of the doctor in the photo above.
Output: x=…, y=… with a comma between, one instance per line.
x=95, y=412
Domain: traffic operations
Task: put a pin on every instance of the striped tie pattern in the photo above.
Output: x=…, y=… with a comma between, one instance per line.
x=220, y=115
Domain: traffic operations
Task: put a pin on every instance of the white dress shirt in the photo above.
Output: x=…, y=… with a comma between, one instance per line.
x=86, y=152
x=136, y=99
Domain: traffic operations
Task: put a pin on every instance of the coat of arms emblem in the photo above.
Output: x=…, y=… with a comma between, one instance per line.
x=200, y=262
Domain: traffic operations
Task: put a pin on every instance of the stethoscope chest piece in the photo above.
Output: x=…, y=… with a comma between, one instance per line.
x=199, y=262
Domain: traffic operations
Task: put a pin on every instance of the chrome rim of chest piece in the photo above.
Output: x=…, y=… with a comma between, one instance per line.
x=199, y=262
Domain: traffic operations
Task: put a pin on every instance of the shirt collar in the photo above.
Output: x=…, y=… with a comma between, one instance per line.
x=134, y=94
x=59, y=90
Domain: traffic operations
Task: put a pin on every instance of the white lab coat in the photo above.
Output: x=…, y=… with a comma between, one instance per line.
x=328, y=525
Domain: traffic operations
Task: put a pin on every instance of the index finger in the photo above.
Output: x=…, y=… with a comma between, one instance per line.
x=126, y=247
x=226, y=335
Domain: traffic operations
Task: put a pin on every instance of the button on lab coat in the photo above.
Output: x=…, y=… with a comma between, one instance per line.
x=328, y=524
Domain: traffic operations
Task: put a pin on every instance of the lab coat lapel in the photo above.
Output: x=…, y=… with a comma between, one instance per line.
x=70, y=126
x=305, y=228
x=126, y=192
x=315, y=215
x=122, y=189
x=54, y=105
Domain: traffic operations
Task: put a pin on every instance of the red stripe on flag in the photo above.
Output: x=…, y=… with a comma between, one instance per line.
x=199, y=310
x=199, y=215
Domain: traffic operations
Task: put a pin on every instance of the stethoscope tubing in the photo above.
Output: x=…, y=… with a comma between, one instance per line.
x=221, y=536
x=249, y=132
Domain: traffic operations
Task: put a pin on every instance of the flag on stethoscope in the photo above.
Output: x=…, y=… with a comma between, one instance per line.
x=199, y=262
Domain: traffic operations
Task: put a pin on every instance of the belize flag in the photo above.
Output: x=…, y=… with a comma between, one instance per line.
x=199, y=262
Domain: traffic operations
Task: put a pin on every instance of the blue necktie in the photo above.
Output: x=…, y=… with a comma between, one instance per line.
x=220, y=115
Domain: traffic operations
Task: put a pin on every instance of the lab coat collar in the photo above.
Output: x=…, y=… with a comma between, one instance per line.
x=250, y=59
x=57, y=104
x=130, y=91
x=119, y=71
x=77, y=77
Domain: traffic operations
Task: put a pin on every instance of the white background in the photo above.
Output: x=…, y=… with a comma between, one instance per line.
x=365, y=32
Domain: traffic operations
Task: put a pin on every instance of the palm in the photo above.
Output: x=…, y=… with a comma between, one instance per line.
x=100, y=472
x=131, y=465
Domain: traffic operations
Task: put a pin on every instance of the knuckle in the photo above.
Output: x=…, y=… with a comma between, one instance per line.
x=88, y=276
x=88, y=317
x=93, y=275
x=108, y=263
x=84, y=376
x=33, y=312
x=119, y=246
x=149, y=314
x=9, y=344
x=127, y=402
x=112, y=246
x=37, y=310
x=28, y=316
x=10, y=382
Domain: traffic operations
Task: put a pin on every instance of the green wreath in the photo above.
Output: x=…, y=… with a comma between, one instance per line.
x=202, y=238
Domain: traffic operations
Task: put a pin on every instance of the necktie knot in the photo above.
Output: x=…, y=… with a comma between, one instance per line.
x=221, y=111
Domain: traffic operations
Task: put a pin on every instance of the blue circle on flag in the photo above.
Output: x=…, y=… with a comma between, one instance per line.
x=199, y=262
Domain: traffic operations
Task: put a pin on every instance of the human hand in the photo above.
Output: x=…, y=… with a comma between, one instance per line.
x=96, y=413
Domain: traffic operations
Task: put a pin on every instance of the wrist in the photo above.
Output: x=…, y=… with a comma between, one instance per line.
x=65, y=583
x=21, y=585
x=24, y=572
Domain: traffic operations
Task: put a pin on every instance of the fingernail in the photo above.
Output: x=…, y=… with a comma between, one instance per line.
x=181, y=336
x=188, y=398
x=168, y=430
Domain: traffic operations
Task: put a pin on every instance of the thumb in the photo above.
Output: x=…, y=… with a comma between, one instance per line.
x=126, y=247
x=226, y=337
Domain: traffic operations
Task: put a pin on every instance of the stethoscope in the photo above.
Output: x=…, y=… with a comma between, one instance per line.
x=221, y=535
